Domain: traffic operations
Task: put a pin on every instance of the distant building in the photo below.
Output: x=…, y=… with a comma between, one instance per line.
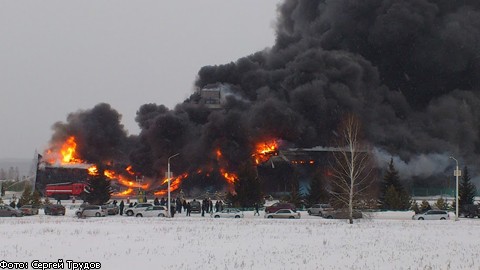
x=211, y=96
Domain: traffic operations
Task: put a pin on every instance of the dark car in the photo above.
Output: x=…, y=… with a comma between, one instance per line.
x=29, y=210
x=277, y=206
x=195, y=207
x=54, y=209
x=470, y=211
x=8, y=211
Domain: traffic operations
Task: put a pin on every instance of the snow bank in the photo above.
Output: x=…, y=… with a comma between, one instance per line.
x=196, y=242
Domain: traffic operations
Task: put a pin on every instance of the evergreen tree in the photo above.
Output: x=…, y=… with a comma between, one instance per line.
x=17, y=174
x=295, y=196
x=231, y=199
x=393, y=195
x=26, y=197
x=425, y=206
x=415, y=207
x=391, y=178
x=441, y=204
x=36, y=201
x=317, y=193
x=3, y=174
x=466, y=189
x=453, y=206
x=46, y=201
x=99, y=189
x=247, y=187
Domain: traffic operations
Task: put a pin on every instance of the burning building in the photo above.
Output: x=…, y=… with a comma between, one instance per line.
x=409, y=70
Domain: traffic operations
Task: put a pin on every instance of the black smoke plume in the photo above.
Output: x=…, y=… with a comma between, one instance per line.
x=409, y=68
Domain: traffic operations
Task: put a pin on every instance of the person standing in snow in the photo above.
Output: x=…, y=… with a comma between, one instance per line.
x=188, y=208
x=256, y=210
x=122, y=205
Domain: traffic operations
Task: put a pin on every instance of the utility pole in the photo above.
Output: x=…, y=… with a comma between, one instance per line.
x=456, y=173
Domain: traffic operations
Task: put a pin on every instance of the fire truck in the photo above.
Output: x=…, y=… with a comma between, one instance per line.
x=63, y=191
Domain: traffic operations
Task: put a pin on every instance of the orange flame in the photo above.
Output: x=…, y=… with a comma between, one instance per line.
x=93, y=170
x=230, y=177
x=124, y=193
x=68, y=151
x=129, y=170
x=264, y=150
x=174, y=184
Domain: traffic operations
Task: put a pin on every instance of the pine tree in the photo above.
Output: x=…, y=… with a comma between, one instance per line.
x=295, y=196
x=11, y=173
x=415, y=207
x=466, y=189
x=26, y=196
x=46, y=201
x=441, y=204
x=317, y=193
x=3, y=174
x=247, y=187
x=391, y=186
x=425, y=206
x=99, y=189
x=36, y=201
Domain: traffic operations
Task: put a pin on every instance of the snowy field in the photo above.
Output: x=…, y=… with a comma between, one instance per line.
x=388, y=241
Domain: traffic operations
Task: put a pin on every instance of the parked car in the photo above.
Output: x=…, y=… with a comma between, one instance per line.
x=319, y=209
x=195, y=207
x=277, y=206
x=341, y=214
x=283, y=213
x=130, y=211
x=229, y=213
x=92, y=211
x=54, y=209
x=8, y=211
x=470, y=210
x=112, y=209
x=152, y=211
x=29, y=210
x=432, y=215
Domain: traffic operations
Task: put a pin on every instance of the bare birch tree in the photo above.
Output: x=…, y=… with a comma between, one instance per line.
x=351, y=166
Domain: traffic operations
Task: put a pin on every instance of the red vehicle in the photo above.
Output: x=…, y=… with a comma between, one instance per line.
x=277, y=206
x=65, y=190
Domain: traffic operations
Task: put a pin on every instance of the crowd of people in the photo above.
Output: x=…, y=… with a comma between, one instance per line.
x=178, y=205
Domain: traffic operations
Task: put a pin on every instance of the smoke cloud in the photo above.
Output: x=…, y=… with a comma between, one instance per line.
x=410, y=69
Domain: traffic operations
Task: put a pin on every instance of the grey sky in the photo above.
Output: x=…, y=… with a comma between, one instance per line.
x=58, y=57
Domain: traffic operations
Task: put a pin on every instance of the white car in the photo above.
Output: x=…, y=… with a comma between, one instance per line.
x=283, y=213
x=91, y=211
x=319, y=209
x=432, y=215
x=228, y=213
x=152, y=211
x=131, y=211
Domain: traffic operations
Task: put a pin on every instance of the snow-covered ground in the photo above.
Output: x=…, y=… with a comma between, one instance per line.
x=120, y=242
